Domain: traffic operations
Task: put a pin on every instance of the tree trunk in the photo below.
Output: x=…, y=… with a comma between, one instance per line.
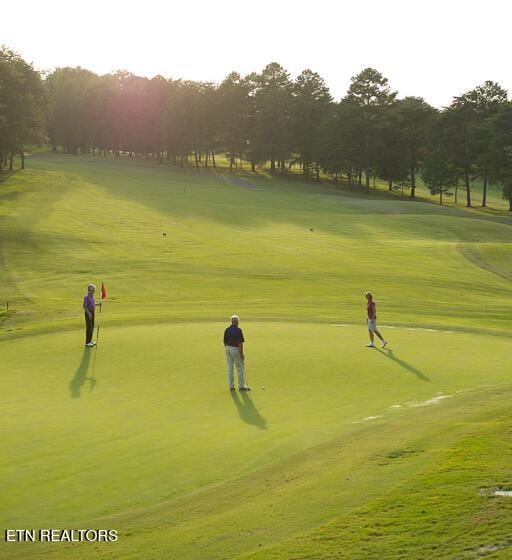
x=441, y=196
x=484, y=194
x=367, y=159
x=456, y=193
x=390, y=185
x=360, y=178
x=231, y=161
x=413, y=176
x=196, y=159
x=213, y=159
x=468, y=190
x=272, y=164
x=22, y=154
x=350, y=177
x=253, y=166
x=317, y=170
x=10, y=161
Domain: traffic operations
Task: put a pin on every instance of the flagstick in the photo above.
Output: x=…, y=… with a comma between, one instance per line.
x=99, y=320
x=97, y=333
x=93, y=378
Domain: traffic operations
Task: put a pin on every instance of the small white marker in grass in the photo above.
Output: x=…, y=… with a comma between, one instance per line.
x=503, y=493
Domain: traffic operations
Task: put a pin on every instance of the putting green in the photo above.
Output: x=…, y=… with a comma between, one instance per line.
x=343, y=449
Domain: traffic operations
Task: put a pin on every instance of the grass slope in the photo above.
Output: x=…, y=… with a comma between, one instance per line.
x=347, y=453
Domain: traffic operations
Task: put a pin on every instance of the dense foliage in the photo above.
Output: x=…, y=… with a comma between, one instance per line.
x=22, y=106
x=265, y=118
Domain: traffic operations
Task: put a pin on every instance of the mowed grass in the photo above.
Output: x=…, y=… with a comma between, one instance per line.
x=345, y=453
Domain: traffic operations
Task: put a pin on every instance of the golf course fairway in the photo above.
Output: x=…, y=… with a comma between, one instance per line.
x=339, y=451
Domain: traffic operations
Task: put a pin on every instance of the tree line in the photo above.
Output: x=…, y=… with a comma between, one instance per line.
x=265, y=118
x=22, y=107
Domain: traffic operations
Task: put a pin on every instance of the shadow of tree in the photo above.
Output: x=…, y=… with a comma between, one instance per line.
x=7, y=173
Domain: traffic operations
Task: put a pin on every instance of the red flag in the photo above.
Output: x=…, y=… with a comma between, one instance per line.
x=103, y=291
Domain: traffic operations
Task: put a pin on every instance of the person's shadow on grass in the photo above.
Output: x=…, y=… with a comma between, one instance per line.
x=80, y=377
x=247, y=411
x=389, y=354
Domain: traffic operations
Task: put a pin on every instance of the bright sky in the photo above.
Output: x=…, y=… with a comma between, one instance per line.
x=430, y=48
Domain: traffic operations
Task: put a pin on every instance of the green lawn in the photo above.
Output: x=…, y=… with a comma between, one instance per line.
x=347, y=452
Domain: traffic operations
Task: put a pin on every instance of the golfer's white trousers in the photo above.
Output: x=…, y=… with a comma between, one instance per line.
x=233, y=358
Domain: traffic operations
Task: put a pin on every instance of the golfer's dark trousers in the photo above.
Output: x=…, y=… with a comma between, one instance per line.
x=89, y=327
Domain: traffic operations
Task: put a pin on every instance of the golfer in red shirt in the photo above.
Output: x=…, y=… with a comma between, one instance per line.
x=372, y=321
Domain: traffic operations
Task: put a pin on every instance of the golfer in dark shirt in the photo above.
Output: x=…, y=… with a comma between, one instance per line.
x=234, y=345
x=89, y=308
